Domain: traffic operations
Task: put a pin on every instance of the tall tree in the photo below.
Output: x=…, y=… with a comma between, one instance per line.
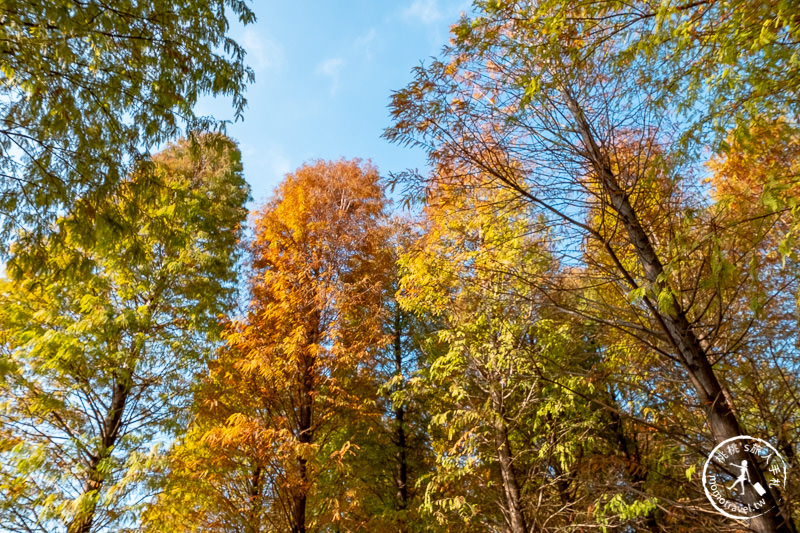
x=288, y=403
x=502, y=433
x=88, y=87
x=457, y=273
x=553, y=103
x=400, y=452
x=102, y=331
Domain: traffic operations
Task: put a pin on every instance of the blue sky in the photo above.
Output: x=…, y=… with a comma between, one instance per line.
x=324, y=73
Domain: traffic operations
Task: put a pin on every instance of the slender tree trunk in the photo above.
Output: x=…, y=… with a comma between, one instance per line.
x=401, y=480
x=109, y=433
x=254, y=523
x=305, y=430
x=304, y=436
x=401, y=476
x=719, y=412
x=505, y=458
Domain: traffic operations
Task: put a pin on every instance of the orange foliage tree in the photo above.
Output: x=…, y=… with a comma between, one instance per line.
x=285, y=402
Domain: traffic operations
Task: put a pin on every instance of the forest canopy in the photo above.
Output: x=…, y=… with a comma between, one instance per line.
x=572, y=320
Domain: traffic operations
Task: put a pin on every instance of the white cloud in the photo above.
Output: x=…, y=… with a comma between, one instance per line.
x=364, y=43
x=262, y=52
x=425, y=11
x=331, y=68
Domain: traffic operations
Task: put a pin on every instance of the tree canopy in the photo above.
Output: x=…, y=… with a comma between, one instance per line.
x=102, y=337
x=87, y=88
x=591, y=298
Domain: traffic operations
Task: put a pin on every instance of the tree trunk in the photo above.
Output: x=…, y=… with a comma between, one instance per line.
x=719, y=412
x=304, y=436
x=109, y=432
x=505, y=458
x=401, y=475
x=254, y=523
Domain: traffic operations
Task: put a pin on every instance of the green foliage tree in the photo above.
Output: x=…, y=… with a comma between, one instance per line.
x=507, y=428
x=102, y=331
x=722, y=63
x=399, y=455
x=88, y=87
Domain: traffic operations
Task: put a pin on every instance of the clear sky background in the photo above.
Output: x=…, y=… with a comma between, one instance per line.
x=325, y=71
